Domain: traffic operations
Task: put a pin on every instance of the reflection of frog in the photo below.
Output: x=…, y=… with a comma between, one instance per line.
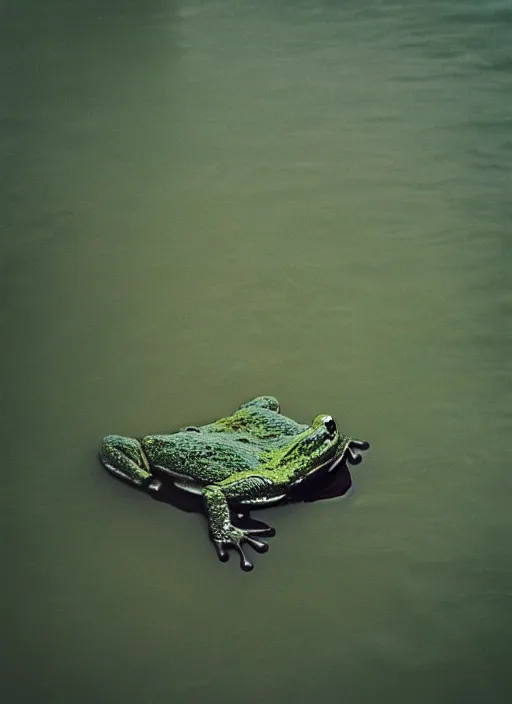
x=254, y=457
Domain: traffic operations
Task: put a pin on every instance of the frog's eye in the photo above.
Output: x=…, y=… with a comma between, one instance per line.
x=191, y=428
x=329, y=424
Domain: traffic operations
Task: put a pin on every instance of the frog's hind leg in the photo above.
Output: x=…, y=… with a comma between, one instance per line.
x=270, y=403
x=124, y=458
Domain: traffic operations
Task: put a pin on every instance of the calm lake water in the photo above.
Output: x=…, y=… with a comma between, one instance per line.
x=206, y=201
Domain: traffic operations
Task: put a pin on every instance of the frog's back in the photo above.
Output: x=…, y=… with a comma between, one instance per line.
x=201, y=457
x=257, y=424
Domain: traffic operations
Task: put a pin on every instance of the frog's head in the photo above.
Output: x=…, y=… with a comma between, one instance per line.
x=319, y=446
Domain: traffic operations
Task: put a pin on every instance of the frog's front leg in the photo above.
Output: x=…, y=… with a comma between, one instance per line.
x=125, y=458
x=223, y=533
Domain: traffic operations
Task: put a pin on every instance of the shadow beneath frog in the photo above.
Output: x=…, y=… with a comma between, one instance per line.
x=322, y=485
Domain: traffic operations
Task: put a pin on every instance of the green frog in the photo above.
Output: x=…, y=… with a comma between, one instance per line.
x=254, y=457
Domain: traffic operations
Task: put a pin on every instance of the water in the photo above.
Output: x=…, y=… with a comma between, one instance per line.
x=205, y=201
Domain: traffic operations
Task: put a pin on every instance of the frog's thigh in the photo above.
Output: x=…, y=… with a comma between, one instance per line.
x=269, y=402
x=246, y=486
x=125, y=458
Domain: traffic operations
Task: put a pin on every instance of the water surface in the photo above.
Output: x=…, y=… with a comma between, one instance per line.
x=205, y=201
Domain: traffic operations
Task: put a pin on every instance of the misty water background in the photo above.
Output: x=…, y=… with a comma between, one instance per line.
x=205, y=201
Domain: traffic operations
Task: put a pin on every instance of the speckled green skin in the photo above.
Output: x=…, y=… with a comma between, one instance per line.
x=254, y=456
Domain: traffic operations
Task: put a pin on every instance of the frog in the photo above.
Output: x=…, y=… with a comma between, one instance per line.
x=254, y=457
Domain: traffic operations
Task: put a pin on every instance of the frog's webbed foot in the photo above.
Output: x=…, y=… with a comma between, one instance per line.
x=223, y=533
x=354, y=450
x=352, y=453
x=233, y=537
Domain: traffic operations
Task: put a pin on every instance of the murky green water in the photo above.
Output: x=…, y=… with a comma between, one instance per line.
x=205, y=201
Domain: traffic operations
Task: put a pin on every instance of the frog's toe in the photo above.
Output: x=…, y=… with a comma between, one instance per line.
x=245, y=563
x=222, y=553
x=259, y=545
x=353, y=457
x=360, y=444
x=267, y=532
